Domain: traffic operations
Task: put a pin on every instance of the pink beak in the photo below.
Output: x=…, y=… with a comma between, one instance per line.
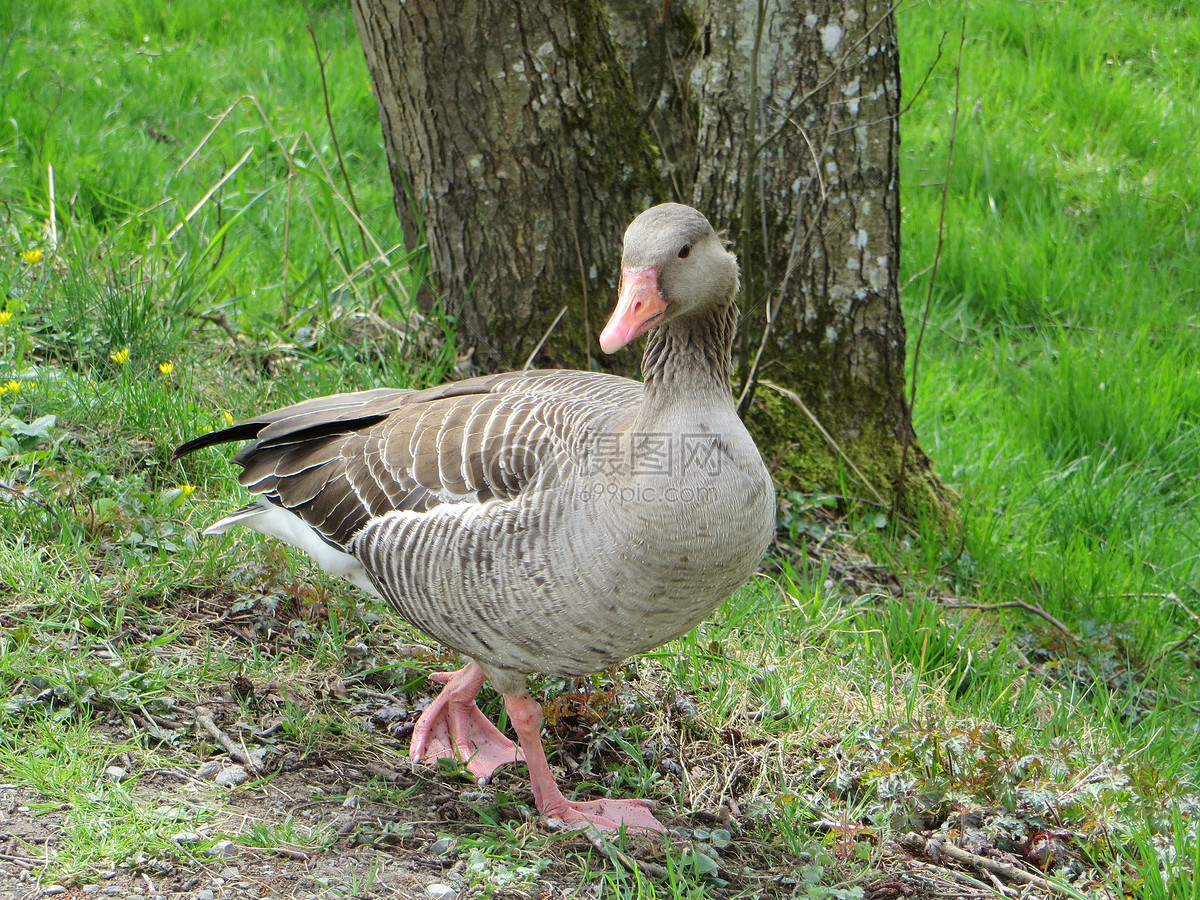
x=639, y=307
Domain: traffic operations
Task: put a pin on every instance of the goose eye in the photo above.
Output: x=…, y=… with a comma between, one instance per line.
x=684, y=251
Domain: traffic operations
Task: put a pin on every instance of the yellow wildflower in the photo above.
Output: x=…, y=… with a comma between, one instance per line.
x=120, y=357
x=33, y=256
x=5, y=316
x=228, y=416
x=188, y=489
x=166, y=367
x=12, y=387
x=3, y=390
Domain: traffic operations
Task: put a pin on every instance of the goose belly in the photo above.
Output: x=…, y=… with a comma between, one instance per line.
x=678, y=562
x=538, y=587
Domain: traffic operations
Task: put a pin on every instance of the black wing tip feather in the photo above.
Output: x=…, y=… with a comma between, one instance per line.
x=243, y=431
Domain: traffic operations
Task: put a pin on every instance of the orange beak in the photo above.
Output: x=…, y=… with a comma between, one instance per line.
x=639, y=307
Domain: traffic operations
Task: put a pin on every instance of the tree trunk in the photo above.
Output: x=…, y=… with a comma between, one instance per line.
x=799, y=137
x=513, y=129
x=657, y=44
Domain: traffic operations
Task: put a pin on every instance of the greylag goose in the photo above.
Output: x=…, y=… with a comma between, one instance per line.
x=551, y=521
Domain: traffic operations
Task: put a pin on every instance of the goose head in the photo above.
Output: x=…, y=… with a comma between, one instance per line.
x=673, y=266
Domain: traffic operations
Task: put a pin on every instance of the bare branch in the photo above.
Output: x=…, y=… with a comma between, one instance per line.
x=936, y=847
x=212, y=190
x=955, y=603
x=837, y=70
x=911, y=100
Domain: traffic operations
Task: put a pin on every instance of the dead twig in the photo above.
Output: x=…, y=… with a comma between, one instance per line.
x=911, y=100
x=236, y=752
x=288, y=154
x=955, y=603
x=1183, y=641
x=25, y=862
x=545, y=337
x=838, y=68
x=587, y=327
x=175, y=773
x=288, y=853
x=938, y=846
x=1187, y=638
x=212, y=190
x=51, y=221
x=172, y=724
x=800, y=252
x=618, y=857
x=963, y=878
x=223, y=323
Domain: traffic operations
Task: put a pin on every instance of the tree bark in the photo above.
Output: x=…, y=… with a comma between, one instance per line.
x=513, y=129
x=799, y=136
x=518, y=131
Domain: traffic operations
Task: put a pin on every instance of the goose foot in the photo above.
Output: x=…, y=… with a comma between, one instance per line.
x=452, y=727
x=592, y=815
x=606, y=815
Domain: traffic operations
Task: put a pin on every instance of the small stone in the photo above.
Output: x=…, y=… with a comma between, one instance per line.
x=444, y=846
x=91, y=888
x=205, y=895
x=107, y=875
x=223, y=849
x=393, y=712
x=440, y=892
x=187, y=837
x=113, y=890
x=231, y=776
x=116, y=773
x=54, y=889
x=210, y=769
x=230, y=872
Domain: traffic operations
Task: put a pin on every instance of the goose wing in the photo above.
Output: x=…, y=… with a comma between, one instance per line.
x=341, y=460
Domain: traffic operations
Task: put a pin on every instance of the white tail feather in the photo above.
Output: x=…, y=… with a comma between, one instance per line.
x=277, y=522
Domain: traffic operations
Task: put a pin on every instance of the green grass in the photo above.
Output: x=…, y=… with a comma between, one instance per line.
x=1059, y=391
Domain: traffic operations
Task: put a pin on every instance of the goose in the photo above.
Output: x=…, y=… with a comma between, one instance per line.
x=547, y=521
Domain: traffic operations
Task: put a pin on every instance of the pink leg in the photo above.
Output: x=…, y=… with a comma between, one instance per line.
x=452, y=727
x=599, y=815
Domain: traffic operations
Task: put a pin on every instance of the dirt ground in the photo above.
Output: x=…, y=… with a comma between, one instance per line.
x=379, y=850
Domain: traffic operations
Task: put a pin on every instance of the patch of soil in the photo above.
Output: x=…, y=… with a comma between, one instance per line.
x=348, y=868
x=357, y=847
